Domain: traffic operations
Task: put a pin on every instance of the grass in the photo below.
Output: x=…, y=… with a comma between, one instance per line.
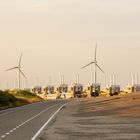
x=22, y=93
x=9, y=99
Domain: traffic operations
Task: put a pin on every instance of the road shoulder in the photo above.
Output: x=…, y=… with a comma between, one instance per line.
x=94, y=119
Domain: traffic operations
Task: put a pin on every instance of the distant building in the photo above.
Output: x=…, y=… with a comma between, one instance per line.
x=130, y=89
x=113, y=90
x=63, y=88
x=48, y=90
x=136, y=87
x=93, y=90
x=76, y=90
x=37, y=90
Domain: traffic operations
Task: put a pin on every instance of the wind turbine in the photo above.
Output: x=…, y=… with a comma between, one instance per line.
x=19, y=70
x=95, y=66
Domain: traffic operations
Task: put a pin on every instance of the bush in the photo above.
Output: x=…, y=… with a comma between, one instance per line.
x=6, y=98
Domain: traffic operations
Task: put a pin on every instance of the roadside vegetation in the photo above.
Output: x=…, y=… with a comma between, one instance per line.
x=15, y=98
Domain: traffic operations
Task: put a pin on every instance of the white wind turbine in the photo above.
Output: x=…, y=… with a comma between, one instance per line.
x=95, y=66
x=19, y=70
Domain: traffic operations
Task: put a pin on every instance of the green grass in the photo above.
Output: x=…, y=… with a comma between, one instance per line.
x=6, y=98
x=9, y=99
x=25, y=94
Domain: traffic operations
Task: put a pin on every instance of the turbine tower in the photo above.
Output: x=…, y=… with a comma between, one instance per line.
x=20, y=72
x=95, y=66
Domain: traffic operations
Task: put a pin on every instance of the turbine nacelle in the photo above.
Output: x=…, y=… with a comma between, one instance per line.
x=96, y=65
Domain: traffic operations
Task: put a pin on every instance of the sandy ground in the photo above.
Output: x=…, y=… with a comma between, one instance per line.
x=112, y=118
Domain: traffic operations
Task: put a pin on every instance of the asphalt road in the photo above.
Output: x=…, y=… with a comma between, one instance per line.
x=23, y=123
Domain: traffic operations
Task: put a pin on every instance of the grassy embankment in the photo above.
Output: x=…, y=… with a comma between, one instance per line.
x=9, y=99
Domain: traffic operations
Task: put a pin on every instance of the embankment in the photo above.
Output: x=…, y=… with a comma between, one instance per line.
x=9, y=99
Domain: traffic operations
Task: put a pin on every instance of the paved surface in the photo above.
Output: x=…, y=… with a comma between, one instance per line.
x=22, y=123
x=115, y=118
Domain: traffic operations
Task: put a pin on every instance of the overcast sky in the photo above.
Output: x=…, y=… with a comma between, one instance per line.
x=58, y=37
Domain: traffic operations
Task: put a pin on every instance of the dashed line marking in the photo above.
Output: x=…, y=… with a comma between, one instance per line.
x=17, y=127
x=11, y=131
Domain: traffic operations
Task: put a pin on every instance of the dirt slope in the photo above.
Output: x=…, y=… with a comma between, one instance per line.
x=112, y=118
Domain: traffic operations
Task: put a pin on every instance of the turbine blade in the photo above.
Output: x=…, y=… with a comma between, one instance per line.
x=22, y=73
x=100, y=68
x=20, y=58
x=87, y=65
x=12, y=68
x=95, y=57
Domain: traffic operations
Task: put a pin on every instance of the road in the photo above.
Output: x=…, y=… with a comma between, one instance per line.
x=24, y=122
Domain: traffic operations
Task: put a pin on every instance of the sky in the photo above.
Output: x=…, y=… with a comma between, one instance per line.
x=59, y=36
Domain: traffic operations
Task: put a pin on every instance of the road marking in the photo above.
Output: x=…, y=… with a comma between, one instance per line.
x=45, y=125
x=17, y=127
x=11, y=131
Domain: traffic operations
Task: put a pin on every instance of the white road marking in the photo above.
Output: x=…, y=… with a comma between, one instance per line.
x=11, y=131
x=45, y=125
x=14, y=129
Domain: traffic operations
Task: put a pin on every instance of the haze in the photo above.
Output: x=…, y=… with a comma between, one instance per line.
x=58, y=37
